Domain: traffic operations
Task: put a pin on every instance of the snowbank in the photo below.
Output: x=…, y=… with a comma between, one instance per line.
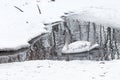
x=61, y=70
x=101, y=16
x=18, y=27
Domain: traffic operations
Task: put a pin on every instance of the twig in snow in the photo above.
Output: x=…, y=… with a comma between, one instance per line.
x=19, y=9
x=39, y=9
x=52, y=0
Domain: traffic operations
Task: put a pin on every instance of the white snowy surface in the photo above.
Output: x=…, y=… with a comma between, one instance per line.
x=101, y=16
x=79, y=46
x=61, y=70
x=17, y=28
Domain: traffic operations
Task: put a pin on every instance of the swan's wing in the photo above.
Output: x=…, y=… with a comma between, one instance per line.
x=77, y=47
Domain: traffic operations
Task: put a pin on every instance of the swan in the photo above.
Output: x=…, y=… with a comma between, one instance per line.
x=77, y=46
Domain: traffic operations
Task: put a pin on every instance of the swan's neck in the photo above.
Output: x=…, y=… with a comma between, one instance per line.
x=66, y=45
x=67, y=40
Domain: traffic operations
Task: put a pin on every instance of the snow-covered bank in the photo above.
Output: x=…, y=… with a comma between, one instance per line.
x=18, y=27
x=61, y=70
x=22, y=21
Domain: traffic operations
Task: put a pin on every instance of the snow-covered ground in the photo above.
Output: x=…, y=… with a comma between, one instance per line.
x=61, y=70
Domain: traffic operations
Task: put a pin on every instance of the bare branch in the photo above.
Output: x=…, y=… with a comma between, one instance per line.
x=19, y=9
x=39, y=9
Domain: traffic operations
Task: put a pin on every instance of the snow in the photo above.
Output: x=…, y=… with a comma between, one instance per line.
x=106, y=17
x=18, y=35
x=78, y=46
x=17, y=28
x=61, y=70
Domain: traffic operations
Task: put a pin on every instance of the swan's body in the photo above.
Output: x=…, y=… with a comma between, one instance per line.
x=78, y=47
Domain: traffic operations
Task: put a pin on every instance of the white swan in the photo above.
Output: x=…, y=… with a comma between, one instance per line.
x=77, y=46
